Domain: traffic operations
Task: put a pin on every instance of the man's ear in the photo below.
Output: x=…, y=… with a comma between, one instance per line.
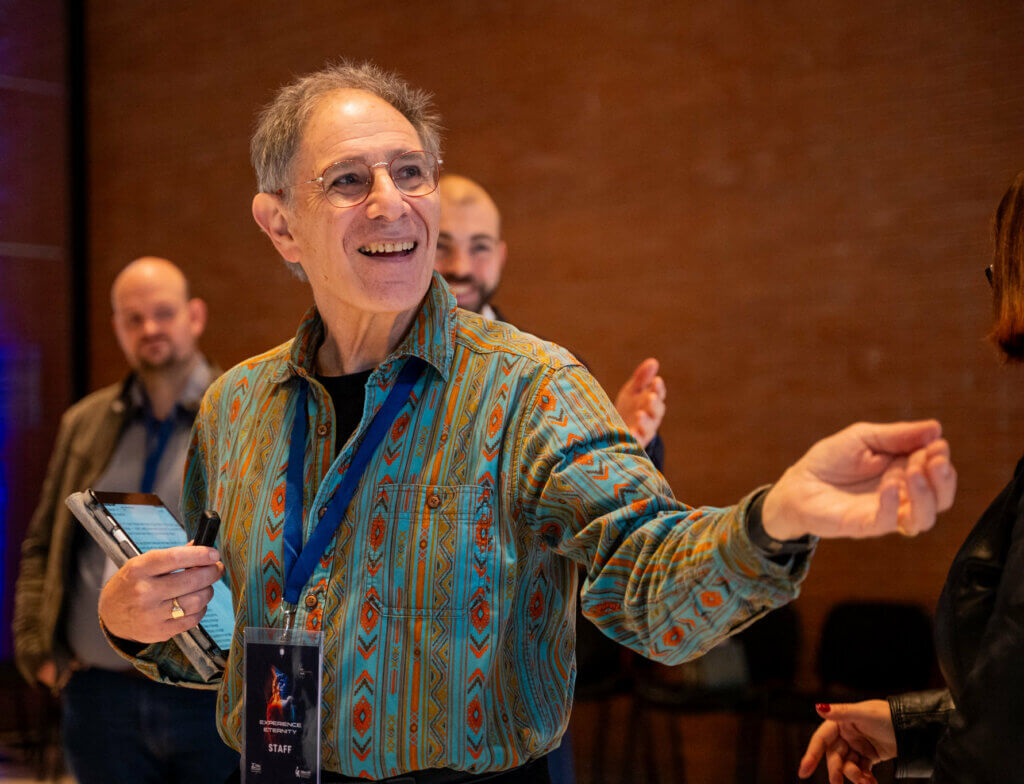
x=271, y=216
x=501, y=252
x=197, y=315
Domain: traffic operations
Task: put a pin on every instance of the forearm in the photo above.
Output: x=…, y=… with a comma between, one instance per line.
x=680, y=583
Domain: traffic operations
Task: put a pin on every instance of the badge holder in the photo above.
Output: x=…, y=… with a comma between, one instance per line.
x=281, y=706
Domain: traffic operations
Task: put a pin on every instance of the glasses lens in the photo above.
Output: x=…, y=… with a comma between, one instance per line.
x=414, y=173
x=347, y=183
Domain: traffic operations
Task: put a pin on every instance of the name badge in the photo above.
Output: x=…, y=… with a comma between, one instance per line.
x=281, y=706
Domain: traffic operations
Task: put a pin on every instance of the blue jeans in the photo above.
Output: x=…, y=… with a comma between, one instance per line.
x=121, y=727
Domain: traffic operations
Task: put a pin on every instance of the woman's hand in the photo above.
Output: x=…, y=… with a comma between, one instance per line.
x=853, y=737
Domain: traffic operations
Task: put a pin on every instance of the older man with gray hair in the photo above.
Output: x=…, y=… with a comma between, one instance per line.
x=418, y=484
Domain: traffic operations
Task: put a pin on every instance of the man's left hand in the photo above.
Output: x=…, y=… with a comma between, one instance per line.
x=866, y=480
x=641, y=401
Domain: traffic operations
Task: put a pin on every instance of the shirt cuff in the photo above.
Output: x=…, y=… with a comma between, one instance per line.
x=776, y=549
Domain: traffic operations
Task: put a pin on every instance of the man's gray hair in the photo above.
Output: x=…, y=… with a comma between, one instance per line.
x=281, y=123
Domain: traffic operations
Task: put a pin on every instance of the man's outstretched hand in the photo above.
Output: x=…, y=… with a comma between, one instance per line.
x=866, y=480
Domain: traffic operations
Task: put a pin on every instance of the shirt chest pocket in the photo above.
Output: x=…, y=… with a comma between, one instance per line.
x=432, y=549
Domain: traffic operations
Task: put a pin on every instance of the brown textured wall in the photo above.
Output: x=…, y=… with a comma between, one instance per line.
x=787, y=203
x=35, y=376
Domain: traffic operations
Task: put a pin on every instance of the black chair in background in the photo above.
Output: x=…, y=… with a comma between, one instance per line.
x=768, y=651
x=874, y=648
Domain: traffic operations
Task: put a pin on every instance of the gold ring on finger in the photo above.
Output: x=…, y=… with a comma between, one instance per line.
x=176, y=611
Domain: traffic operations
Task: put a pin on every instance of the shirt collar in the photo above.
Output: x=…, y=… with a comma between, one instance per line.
x=431, y=336
x=199, y=379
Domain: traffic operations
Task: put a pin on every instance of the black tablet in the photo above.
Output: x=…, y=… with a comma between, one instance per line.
x=140, y=522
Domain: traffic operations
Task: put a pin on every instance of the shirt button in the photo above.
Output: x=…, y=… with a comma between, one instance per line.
x=434, y=501
x=321, y=430
x=311, y=601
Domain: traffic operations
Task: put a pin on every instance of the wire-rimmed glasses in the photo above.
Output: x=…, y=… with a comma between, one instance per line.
x=348, y=183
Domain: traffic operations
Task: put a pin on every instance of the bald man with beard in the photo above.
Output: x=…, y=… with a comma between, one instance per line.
x=128, y=437
x=471, y=256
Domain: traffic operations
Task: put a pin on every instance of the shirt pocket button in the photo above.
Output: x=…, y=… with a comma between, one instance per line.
x=311, y=601
x=434, y=501
x=321, y=430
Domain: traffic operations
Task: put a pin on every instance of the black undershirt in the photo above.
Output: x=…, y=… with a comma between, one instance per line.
x=348, y=394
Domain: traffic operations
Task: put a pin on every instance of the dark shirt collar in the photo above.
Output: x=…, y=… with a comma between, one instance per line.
x=431, y=336
x=134, y=397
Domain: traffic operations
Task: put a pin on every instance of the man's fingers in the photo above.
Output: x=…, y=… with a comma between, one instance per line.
x=643, y=375
x=191, y=603
x=887, y=516
x=899, y=438
x=178, y=625
x=171, y=559
x=658, y=387
x=919, y=513
x=943, y=479
x=187, y=581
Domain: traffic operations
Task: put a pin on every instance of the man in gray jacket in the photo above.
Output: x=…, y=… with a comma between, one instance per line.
x=131, y=436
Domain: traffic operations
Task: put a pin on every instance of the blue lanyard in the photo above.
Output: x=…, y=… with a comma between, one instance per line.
x=160, y=431
x=300, y=561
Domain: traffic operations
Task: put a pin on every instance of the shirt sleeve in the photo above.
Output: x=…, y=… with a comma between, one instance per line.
x=668, y=580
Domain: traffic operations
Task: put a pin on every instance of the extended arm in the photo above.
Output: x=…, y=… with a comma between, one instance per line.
x=670, y=580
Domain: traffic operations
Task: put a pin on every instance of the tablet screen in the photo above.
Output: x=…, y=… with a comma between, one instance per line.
x=154, y=527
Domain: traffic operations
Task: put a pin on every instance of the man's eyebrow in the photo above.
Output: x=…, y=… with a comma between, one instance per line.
x=389, y=155
x=483, y=236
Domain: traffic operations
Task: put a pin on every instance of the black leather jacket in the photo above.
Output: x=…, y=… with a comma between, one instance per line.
x=974, y=730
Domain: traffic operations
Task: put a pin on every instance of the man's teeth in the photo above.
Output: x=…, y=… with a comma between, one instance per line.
x=387, y=247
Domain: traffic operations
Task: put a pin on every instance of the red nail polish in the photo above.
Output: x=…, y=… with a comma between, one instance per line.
x=823, y=707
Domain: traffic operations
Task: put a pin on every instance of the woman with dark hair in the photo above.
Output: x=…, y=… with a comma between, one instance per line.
x=971, y=731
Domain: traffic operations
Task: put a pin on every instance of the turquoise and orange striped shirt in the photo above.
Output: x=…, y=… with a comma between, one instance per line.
x=447, y=597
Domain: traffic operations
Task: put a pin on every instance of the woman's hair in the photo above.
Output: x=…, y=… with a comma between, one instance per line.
x=1008, y=273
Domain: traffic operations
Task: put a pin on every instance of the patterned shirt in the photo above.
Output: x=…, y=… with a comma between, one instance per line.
x=447, y=596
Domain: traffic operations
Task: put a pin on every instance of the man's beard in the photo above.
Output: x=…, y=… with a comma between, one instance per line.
x=483, y=294
x=168, y=361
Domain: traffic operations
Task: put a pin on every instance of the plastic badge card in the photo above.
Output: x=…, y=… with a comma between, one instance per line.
x=281, y=732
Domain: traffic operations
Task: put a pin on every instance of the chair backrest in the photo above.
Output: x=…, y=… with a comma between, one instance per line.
x=772, y=647
x=876, y=647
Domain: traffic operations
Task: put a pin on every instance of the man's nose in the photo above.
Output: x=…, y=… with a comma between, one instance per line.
x=457, y=262
x=385, y=200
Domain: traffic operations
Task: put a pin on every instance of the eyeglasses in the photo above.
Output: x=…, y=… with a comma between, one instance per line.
x=348, y=183
x=988, y=275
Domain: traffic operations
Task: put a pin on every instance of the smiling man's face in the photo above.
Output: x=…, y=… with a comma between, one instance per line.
x=470, y=251
x=377, y=256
